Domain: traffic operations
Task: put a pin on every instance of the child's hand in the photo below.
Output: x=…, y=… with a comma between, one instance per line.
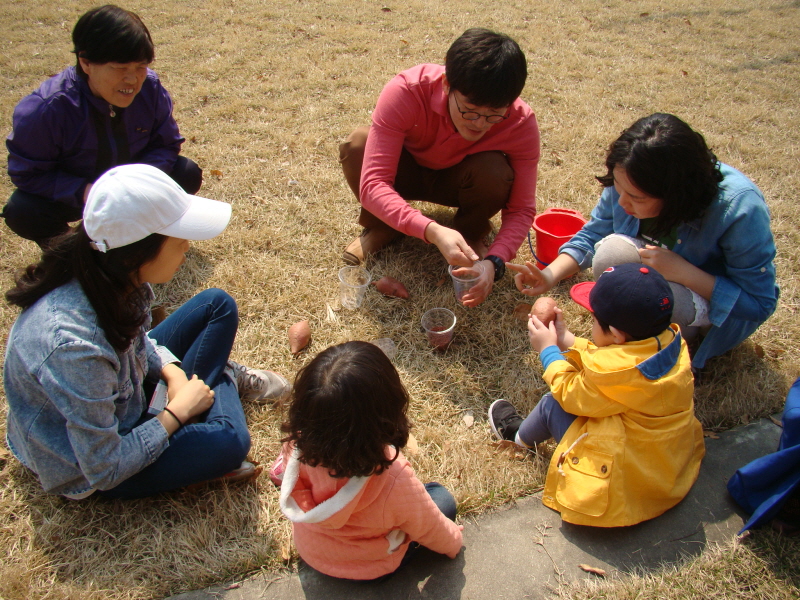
x=565, y=338
x=540, y=335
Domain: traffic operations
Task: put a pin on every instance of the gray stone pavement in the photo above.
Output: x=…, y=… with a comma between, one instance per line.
x=524, y=550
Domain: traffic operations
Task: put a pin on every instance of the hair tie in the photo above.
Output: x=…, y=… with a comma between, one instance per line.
x=174, y=416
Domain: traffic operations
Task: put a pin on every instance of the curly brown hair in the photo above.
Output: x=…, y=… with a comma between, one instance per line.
x=348, y=405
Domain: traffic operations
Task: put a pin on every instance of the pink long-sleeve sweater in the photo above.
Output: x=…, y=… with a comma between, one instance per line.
x=360, y=528
x=412, y=113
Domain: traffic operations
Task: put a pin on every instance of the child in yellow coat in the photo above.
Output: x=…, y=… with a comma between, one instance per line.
x=621, y=408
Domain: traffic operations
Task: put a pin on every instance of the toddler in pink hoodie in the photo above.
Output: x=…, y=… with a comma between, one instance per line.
x=357, y=509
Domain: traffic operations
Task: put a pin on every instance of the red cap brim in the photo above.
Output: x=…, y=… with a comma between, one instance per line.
x=580, y=293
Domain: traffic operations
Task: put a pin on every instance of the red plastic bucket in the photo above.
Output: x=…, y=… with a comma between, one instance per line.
x=554, y=227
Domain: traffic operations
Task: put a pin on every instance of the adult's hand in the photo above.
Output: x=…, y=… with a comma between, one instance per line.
x=530, y=280
x=481, y=290
x=451, y=244
x=674, y=267
x=192, y=399
x=541, y=336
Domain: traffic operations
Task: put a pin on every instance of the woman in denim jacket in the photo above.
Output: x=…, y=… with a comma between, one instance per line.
x=703, y=225
x=95, y=402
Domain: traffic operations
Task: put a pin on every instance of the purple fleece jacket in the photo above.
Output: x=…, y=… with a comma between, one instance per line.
x=64, y=137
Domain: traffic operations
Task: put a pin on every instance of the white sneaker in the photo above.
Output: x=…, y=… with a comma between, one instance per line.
x=258, y=385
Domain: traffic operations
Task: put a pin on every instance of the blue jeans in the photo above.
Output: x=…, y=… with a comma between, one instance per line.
x=547, y=420
x=201, y=334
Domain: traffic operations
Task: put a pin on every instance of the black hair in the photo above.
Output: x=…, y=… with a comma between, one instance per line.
x=488, y=68
x=108, y=280
x=111, y=34
x=348, y=405
x=603, y=325
x=668, y=160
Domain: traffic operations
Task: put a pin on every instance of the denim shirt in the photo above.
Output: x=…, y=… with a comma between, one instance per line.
x=74, y=402
x=732, y=241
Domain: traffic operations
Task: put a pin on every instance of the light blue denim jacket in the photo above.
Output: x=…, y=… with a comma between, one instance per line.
x=732, y=241
x=73, y=401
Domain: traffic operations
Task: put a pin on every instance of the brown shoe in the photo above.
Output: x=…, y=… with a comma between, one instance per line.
x=370, y=241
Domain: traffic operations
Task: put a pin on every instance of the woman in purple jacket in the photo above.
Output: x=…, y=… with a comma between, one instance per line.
x=108, y=110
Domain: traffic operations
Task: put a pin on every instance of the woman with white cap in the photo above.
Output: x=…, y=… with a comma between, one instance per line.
x=96, y=404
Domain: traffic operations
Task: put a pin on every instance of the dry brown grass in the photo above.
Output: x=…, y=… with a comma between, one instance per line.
x=760, y=568
x=264, y=92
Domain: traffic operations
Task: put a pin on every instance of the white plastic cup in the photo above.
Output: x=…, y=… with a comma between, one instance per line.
x=353, y=282
x=465, y=278
x=439, y=325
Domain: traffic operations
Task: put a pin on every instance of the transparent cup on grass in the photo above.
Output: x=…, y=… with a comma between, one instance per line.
x=353, y=283
x=439, y=325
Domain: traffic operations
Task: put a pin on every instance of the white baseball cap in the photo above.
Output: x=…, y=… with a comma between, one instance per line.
x=130, y=202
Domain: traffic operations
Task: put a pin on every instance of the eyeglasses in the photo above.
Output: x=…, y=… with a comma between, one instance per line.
x=471, y=115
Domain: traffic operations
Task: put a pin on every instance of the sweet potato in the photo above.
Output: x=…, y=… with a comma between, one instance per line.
x=389, y=286
x=299, y=336
x=544, y=309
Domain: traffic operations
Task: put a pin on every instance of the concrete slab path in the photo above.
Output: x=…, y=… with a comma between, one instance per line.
x=524, y=550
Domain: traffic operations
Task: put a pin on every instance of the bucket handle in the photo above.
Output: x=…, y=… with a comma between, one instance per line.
x=530, y=245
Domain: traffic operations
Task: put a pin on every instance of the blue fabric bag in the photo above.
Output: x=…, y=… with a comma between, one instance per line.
x=763, y=486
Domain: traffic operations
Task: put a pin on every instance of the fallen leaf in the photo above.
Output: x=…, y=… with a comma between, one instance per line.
x=505, y=445
x=771, y=418
x=332, y=317
x=412, y=448
x=685, y=73
x=386, y=9
x=592, y=570
x=440, y=283
x=710, y=434
x=759, y=350
x=468, y=419
x=644, y=14
x=687, y=21
x=521, y=312
x=286, y=552
x=216, y=173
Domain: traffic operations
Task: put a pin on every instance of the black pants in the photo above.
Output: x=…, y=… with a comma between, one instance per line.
x=38, y=218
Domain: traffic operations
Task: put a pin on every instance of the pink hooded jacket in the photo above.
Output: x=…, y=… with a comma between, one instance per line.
x=360, y=528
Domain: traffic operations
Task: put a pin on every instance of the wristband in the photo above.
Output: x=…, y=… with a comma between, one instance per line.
x=499, y=266
x=174, y=416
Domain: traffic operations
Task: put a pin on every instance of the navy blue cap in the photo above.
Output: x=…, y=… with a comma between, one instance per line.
x=632, y=297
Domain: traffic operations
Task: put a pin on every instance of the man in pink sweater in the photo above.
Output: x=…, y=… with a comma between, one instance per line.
x=459, y=136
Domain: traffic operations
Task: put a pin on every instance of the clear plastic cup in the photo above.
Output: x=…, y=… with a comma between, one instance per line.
x=439, y=325
x=353, y=282
x=464, y=278
x=387, y=345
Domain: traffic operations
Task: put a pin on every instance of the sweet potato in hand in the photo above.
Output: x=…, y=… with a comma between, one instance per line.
x=389, y=286
x=544, y=309
x=299, y=336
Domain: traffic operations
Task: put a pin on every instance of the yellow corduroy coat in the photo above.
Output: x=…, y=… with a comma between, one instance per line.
x=635, y=449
